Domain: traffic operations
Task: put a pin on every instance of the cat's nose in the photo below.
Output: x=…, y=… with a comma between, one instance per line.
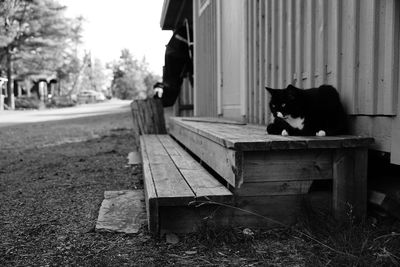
x=279, y=115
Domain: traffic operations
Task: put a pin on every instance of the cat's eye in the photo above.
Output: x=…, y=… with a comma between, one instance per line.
x=283, y=105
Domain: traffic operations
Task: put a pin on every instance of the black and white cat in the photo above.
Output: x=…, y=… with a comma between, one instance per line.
x=315, y=111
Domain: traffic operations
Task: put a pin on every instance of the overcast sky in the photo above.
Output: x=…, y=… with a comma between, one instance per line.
x=112, y=25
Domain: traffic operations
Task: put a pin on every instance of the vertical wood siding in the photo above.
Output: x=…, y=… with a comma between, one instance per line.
x=185, y=106
x=205, y=52
x=352, y=44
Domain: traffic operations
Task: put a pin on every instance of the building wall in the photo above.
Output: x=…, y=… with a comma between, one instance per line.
x=205, y=58
x=352, y=45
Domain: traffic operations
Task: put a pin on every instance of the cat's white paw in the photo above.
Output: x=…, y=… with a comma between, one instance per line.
x=321, y=133
x=284, y=133
x=279, y=115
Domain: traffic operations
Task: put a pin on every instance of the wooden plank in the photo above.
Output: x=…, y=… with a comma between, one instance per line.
x=349, y=183
x=149, y=191
x=250, y=137
x=274, y=188
x=213, y=120
x=208, y=151
x=181, y=158
x=359, y=194
x=148, y=118
x=200, y=181
x=287, y=165
x=204, y=185
x=169, y=183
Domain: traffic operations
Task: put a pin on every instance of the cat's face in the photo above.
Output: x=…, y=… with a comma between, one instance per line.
x=285, y=102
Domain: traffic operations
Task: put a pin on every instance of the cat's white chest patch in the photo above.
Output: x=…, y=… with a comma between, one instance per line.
x=295, y=122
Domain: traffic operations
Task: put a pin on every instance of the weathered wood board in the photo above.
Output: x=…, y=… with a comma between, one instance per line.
x=222, y=160
x=174, y=180
x=148, y=118
x=149, y=191
x=288, y=165
x=350, y=182
x=254, y=137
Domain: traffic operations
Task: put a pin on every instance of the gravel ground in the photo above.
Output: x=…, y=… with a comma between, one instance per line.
x=52, y=179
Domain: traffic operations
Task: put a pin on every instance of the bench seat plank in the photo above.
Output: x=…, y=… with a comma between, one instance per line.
x=176, y=177
x=149, y=191
x=200, y=181
x=167, y=179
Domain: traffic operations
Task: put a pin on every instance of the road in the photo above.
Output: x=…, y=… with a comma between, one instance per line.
x=40, y=128
x=8, y=117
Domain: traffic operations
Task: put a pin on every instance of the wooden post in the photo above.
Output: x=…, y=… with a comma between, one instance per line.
x=350, y=183
x=148, y=118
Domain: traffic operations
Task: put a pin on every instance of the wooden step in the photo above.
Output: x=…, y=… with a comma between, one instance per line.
x=172, y=181
x=263, y=168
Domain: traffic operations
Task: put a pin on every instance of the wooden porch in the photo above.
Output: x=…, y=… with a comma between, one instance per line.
x=266, y=174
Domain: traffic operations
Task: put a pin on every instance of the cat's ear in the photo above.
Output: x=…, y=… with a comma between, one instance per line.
x=270, y=90
x=290, y=86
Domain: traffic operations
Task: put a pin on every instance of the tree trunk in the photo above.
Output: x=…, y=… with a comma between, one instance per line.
x=148, y=118
x=10, y=91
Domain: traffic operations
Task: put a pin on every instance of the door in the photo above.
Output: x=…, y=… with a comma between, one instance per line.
x=231, y=59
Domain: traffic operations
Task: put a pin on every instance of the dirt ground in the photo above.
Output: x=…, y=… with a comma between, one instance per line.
x=52, y=179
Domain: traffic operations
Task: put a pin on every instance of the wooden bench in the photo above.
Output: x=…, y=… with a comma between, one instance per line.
x=172, y=181
x=270, y=174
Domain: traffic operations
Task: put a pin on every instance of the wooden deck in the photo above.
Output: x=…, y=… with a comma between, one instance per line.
x=263, y=169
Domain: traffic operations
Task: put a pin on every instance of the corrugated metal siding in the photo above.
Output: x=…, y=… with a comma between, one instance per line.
x=205, y=52
x=352, y=44
x=257, y=110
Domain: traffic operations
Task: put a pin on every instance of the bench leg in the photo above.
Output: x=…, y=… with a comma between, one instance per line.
x=350, y=183
x=152, y=216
